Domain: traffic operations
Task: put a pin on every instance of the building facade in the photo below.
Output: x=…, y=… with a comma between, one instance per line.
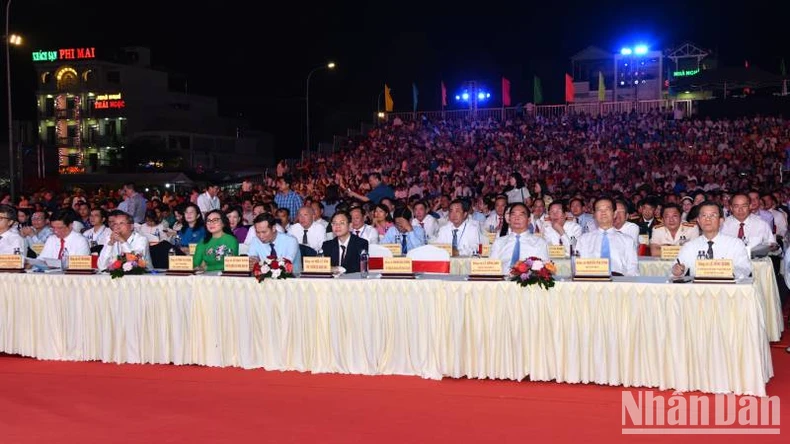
x=97, y=113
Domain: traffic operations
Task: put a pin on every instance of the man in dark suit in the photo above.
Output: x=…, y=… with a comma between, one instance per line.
x=345, y=248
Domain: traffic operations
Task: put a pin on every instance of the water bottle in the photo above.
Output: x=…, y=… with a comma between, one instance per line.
x=363, y=264
x=18, y=252
x=574, y=254
x=64, y=260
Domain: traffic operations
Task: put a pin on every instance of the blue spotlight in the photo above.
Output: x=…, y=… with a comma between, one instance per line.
x=465, y=96
x=626, y=51
x=640, y=49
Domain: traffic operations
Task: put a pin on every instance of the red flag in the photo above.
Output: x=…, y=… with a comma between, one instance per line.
x=505, y=92
x=444, y=95
x=569, y=93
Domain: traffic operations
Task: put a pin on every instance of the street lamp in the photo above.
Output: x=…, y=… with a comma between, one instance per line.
x=10, y=40
x=330, y=65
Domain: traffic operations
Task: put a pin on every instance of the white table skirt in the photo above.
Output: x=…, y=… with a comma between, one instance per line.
x=686, y=337
x=649, y=266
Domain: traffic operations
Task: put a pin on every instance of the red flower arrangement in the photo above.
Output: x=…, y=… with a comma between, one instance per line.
x=533, y=270
x=273, y=268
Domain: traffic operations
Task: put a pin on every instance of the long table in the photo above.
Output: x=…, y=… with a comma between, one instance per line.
x=632, y=332
x=649, y=266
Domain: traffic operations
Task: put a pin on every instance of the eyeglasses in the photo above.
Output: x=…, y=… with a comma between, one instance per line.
x=213, y=221
x=5, y=218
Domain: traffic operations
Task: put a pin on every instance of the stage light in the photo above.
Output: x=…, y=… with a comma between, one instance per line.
x=465, y=96
x=457, y=97
x=640, y=49
x=481, y=96
x=626, y=51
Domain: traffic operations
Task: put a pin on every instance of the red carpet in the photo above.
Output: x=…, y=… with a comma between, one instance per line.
x=64, y=402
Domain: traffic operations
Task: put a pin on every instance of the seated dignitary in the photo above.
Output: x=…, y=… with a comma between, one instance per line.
x=607, y=243
x=345, y=248
x=10, y=240
x=269, y=242
x=672, y=231
x=519, y=243
x=65, y=239
x=123, y=239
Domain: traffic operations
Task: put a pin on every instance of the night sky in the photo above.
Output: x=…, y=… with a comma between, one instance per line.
x=256, y=58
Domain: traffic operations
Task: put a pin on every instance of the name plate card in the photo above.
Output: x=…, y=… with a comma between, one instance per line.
x=446, y=247
x=237, y=263
x=180, y=263
x=491, y=237
x=397, y=265
x=670, y=252
x=556, y=251
x=714, y=268
x=317, y=265
x=12, y=261
x=486, y=251
x=488, y=267
x=592, y=267
x=192, y=248
x=394, y=248
x=37, y=248
x=80, y=262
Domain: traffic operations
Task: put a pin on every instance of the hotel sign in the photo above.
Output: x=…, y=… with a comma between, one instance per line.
x=686, y=73
x=64, y=54
x=109, y=101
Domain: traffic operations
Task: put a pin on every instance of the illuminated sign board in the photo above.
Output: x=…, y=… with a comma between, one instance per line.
x=109, y=101
x=686, y=73
x=64, y=54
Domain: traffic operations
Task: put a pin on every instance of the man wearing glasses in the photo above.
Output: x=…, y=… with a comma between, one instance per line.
x=10, y=241
x=123, y=239
x=713, y=245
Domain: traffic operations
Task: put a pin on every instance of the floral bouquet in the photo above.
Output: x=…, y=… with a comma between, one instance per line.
x=533, y=270
x=273, y=268
x=127, y=263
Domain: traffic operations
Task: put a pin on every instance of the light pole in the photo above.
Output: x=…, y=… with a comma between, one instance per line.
x=330, y=65
x=9, y=40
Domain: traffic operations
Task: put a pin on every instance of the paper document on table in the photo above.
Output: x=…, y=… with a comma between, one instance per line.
x=43, y=263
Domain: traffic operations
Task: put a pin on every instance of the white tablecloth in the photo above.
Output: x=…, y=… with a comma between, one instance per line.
x=649, y=266
x=633, y=333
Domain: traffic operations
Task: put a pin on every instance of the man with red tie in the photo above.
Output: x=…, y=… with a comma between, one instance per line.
x=64, y=239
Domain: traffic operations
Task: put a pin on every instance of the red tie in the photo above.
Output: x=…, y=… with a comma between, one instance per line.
x=499, y=223
x=740, y=232
x=62, y=246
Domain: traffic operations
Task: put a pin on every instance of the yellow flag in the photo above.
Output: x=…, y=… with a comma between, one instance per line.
x=389, y=105
x=601, y=87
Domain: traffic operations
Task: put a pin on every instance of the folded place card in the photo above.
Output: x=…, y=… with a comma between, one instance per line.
x=592, y=267
x=180, y=263
x=397, y=265
x=486, y=251
x=80, y=262
x=317, y=265
x=237, y=263
x=394, y=248
x=192, y=248
x=37, y=248
x=446, y=247
x=670, y=252
x=488, y=267
x=491, y=237
x=714, y=269
x=12, y=261
x=556, y=251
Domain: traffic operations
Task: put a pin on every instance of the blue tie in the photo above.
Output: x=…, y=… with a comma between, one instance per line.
x=516, y=251
x=404, y=248
x=455, y=239
x=605, y=251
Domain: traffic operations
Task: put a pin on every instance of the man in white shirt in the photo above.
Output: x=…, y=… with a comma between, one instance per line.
x=428, y=223
x=608, y=243
x=780, y=218
x=496, y=218
x=65, y=239
x=518, y=244
x=558, y=230
x=208, y=201
x=10, y=241
x=747, y=226
x=306, y=231
x=462, y=233
x=359, y=228
x=713, y=244
x=124, y=239
x=621, y=222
